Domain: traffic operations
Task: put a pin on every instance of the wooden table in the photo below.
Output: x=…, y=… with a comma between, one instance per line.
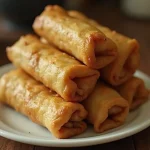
x=114, y=19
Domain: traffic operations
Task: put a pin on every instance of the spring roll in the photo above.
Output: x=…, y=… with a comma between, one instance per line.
x=56, y=70
x=75, y=37
x=128, y=58
x=134, y=91
x=106, y=108
x=43, y=106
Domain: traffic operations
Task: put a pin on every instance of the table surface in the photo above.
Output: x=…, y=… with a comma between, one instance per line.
x=113, y=18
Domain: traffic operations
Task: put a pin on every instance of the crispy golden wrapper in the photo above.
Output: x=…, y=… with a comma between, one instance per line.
x=106, y=108
x=128, y=58
x=76, y=37
x=31, y=98
x=134, y=91
x=56, y=70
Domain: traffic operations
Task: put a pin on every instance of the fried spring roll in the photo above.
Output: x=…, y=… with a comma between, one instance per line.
x=106, y=108
x=76, y=37
x=134, y=91
x=56, y=70
x=128, y=58
x=31, y=98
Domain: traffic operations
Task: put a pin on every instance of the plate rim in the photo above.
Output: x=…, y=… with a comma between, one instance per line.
x=77, y=142
x=73, y=142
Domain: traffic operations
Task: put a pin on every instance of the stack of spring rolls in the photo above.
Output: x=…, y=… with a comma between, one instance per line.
x=76, y=72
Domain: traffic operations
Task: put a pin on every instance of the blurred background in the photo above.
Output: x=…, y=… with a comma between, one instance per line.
x=129, y=17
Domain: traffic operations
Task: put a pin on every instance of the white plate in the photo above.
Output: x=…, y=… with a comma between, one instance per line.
x=19, y=128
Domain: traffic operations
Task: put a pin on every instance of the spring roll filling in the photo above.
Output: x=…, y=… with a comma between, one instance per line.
x=72, y=129
x=110, y=118
x=102, y=53
x=73, y=122
x=138, y=99
x=114, y=110
x=127, y=68
x=80, y=84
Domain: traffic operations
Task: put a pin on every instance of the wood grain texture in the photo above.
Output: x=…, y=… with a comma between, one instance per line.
x=114, y=19
x=6, y=144
x=142, y=140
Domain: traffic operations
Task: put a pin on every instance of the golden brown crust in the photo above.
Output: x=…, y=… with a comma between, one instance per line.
x=56, y=70
x=106, y=108
x=76, y=37
x=41, y=105
x=125, y=65
x=134, y=91
x=128, y=58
